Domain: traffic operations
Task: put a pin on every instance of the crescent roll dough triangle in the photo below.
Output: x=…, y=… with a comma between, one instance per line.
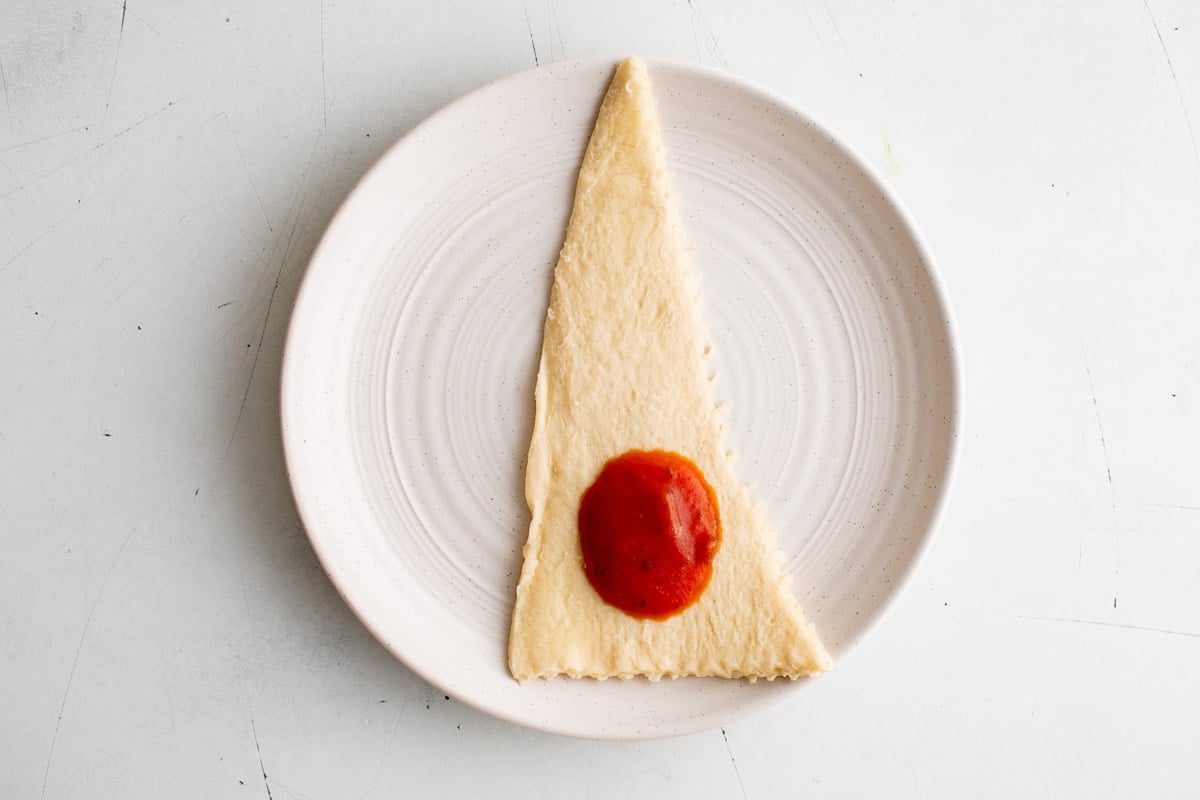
x=623, y=368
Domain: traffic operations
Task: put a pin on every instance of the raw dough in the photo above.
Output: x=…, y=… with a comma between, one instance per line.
x=623, y=367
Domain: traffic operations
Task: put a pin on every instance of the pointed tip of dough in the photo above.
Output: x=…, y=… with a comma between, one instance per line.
x=632, y=64
x=631, y=76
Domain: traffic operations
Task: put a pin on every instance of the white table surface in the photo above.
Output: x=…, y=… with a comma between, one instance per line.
x=166, y=169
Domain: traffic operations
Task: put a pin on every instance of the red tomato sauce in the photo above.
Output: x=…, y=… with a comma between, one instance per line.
x=649, y=528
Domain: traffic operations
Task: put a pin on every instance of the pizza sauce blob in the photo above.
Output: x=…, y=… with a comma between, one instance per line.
x=649, y=528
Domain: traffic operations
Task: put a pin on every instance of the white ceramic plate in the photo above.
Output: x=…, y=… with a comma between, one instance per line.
x=410, y=363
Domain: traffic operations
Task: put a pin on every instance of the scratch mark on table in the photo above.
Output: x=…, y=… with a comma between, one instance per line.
x=1112, y=500
x=246, y=168
x=11, y=211
x=112, y=81
x=1099, y=425
x=813, y=24
x=39, y=238
x=142, y=20
x=1098, y=623
x=4, y=84
x=1174, y=79
x=695, y=35
x=838, y=31
x=149, y=264
x=94, y=147
x=529, y=27
x=40, y=139
x=87, y=623
x=258, y=750
x=295, y=793
x=1183, y=595
x=556, y=28
x=254, y=247
x=12, y=175
x=725, y=22
x=324, y=101
x=253, y=366
x=247, y=310
x=1121, y=237
x=733, y=761
x=714, y=46
x=383, y=753
x=296, y=207
x=297, y=204
x=1167, y=505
